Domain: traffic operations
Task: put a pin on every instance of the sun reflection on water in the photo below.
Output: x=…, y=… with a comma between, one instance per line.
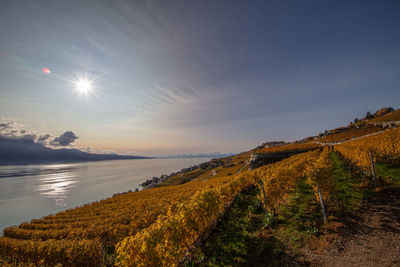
x=57, y=186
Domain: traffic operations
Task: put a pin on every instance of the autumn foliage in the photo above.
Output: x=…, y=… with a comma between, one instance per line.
x=172, y=237
x=385, y=147
x=281, y=178
x=164, y=226
x=78, y=236
x=294, y=147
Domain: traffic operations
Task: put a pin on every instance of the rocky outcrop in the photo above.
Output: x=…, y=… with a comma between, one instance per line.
x=383, y=111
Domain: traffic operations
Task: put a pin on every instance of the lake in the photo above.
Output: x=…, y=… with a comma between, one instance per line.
x=33, y=191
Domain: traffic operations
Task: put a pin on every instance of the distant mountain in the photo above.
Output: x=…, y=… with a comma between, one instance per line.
x=201, y=155
x=28, y=152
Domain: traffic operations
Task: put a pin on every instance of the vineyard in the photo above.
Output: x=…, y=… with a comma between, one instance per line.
x=295, y=147
x=383, y=147
x=173, y=236
x=392, y=116
x=94, y=226
x=165, y=226
x=281, y=178
x=230, y=166
x=350, y=134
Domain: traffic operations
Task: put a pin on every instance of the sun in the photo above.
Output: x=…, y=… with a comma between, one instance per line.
x=83, y=86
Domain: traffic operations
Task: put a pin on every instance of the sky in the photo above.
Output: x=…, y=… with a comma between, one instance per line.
x=174, y=77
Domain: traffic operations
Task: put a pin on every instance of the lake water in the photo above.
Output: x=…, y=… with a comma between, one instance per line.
x=33, y=191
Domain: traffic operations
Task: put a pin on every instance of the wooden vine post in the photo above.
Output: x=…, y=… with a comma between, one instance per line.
x=372, y=166
x=321, y=201
x=265, y=197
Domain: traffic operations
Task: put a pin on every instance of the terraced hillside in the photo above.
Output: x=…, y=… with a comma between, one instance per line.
x=392, y=116
x=296, y=200
x=94, y=228
x=350, y=133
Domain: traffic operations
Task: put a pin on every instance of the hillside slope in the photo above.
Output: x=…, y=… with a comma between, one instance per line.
x=392, y=116
x=299, y=203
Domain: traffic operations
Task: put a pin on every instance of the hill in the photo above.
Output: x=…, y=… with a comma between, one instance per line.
x=388, y=117
x=292, y=204
x=28, y=152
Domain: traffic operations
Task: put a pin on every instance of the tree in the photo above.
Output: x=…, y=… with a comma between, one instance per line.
x=383, y=111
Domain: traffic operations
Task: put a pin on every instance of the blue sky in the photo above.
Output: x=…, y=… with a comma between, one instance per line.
x=175, y=77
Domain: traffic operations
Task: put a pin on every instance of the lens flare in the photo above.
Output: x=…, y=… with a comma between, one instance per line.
x=46, y=70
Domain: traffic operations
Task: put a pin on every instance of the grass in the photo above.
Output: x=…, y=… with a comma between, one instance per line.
x=240, y=239
x=348, y=194
x=300, y=220
x=388, y=172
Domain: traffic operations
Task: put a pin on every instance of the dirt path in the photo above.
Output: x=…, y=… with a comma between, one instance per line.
x=244, y=165
x=371, y=239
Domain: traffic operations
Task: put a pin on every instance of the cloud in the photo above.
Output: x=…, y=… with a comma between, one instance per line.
x=65, y=139
x=28, y=137
x=13, y=130
x=6, y=125
x=16, y=131
x=42, y=139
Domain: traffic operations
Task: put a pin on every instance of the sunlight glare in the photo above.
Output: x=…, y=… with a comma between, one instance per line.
x=83, y=86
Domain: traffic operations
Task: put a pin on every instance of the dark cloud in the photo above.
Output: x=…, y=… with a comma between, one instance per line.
x=5, y=125
x=27, y=137
x=65, y=139
x=43, y=138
